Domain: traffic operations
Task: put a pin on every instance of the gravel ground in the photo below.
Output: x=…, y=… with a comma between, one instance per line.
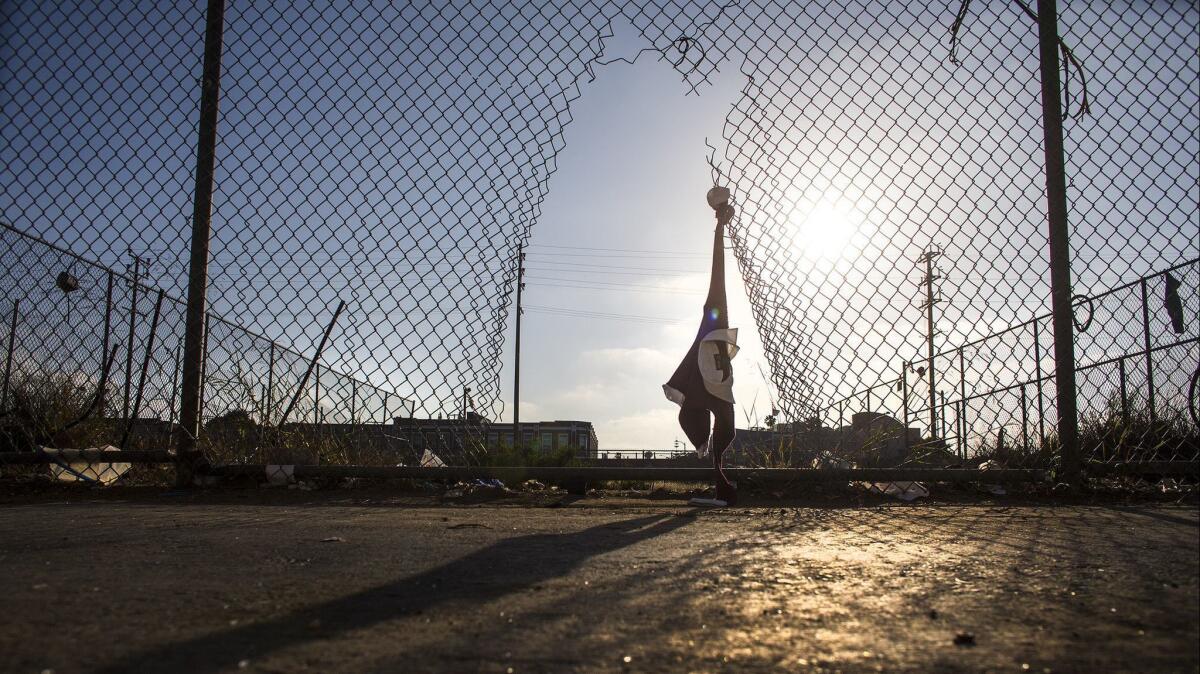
x=344, y=581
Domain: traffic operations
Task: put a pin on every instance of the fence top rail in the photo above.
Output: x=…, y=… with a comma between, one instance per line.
x=958, y=349
x=1085, y=298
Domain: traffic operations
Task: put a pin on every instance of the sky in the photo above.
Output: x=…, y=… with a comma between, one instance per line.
x=633, y=177
x=394, y=158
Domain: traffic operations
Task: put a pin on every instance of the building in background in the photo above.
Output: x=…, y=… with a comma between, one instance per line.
x=547, y=436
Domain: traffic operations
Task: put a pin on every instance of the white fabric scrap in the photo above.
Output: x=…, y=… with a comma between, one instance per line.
x=431, y=460
x=98, y=472
x=715, y=380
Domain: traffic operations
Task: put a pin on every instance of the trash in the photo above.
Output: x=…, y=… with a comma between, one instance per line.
x=532, y=485
x=333, y=539
x=993, y=489
x=278, y=475
x=710, y=502
x=905, y=491
x=964, y=639
x=98, y=472
x=431, y=460
x=827, y=460
x=1170, y=485
x=488, y=484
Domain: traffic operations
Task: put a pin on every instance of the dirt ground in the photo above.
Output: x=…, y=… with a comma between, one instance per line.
x=357, y=582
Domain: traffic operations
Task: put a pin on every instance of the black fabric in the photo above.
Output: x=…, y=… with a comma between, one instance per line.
x=695, y=424
x=1174, y=304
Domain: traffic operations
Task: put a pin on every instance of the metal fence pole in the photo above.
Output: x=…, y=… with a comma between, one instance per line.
x=1124, y=393
x=174, y=393
x=1037, y=364
x=1149, y=356
x=942, y=396
x=1024, y=420
x=8, y=357
x=194, y=337
x=962, y=417
x=962, y=394
x=129, y=347
x=269, y=397
x=141, y=388
x=108, y=295
x=1059, y=237
x=904, y=399
x=316, y=393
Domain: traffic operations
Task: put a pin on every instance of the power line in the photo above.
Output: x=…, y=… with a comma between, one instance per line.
x=620, y=250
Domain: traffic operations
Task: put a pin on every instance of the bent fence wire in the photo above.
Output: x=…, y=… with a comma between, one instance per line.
x=395, y=157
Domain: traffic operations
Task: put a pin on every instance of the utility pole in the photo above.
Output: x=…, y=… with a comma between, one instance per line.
x=927, y=257
x=517, y=354
x=136, y=268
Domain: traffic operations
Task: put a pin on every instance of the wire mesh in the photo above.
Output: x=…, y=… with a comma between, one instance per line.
x=396, y=157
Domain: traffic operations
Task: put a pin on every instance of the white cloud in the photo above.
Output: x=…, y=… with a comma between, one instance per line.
x=652, y=429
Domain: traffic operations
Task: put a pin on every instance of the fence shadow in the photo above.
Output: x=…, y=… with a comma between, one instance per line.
x=522, y=561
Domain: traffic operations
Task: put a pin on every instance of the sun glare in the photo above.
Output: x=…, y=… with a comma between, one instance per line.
x=825, y=229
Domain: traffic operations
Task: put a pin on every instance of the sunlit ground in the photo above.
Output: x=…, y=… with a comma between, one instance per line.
x=346, y=582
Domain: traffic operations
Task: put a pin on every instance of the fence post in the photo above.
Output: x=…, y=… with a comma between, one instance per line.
x=962, y=394
x=12, y=341
x=129, y=348
x=1149, y=355
x=194, y=328
x=1124, y=394
x=962, y=416
x=316, y=393
x=269, y=398
x=137, y=404
x=107, y=323
x=1024, y=421
x=1037, y=364
x=904, y=400
x=1060, y=248
x=942, y=395
x=174, y=392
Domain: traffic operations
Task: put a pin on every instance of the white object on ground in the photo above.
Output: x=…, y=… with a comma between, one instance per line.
x=711, y=502
x=431, y=460
x=98, y=472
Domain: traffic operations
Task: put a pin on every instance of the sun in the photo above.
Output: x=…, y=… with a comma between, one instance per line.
x=825, y=229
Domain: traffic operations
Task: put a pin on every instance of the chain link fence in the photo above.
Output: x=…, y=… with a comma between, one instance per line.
x=886, y=160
